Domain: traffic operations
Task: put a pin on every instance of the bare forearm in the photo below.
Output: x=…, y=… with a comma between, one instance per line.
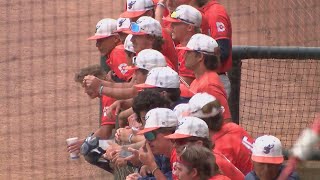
x=116, y=85
x=119, y=93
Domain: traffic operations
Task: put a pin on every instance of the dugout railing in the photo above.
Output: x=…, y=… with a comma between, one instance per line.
x=258, y=53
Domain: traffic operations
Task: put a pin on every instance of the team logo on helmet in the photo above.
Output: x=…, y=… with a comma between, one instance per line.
x=268, y=148
x=121, y=22
x=131, y=3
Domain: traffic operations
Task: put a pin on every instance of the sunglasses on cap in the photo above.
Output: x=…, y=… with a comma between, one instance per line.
x=134, y=27
x=150, y=136
x=175, y=16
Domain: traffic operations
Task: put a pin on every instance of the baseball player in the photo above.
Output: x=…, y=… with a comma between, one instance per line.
x=196, y=162
x=229, y=138
x=268, y=159
x=217, y=20
x=159, y=123
x=192, y=131
x=139, y=8
x=202, y=57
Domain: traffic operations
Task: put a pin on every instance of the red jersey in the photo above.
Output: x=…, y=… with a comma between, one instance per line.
x=117, y=62
x=220, y=27
x=210, y=83
x=173, y=162
x=106, y=102
x=235, y=144
x=227, y=168
x=182, y=70
x=169, y=50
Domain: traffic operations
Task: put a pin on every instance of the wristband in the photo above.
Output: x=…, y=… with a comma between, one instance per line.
x=100, y=90
x=130, y=138
x=161, y=4
x=154, y=170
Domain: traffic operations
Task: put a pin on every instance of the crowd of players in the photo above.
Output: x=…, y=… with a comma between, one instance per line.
x=163, y=80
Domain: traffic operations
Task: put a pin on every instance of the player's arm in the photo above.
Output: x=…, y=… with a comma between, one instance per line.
x=116, y=85
x=160, y=10
x=225, y=48
x=104, y=132
x=119, y=93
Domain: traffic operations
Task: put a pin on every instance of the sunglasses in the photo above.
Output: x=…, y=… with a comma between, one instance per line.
x=150, y=136
x=175, y=16
x=134, y=27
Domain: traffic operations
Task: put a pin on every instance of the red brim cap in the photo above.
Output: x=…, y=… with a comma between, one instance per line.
x=184, y=48
x=145, y=130
x=170, y=19
x=95, y=37
x=134, y=33
x=144, y=86
x=132, y=14
x=268, y=160
x=177, y=136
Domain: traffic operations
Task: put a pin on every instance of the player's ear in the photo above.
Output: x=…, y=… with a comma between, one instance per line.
x=199, y=143
x=193, y=172
x=116, y=38
x=190, y=28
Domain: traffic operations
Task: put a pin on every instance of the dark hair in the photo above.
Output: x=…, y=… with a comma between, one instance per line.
x=214, y=123
x=201, y=3
x=205, y=141
x=143, y=71
x=211, y=62
x=166, y=130
x=157, y=42
x=174, y=93
x=94, y=70
x=147, y=100
x=129, y=53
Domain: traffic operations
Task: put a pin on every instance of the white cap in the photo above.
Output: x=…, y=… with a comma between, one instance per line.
x=104, y=28
x=190, y=126
x=202, y=43
x=199, y=100
x=182, y=110
x=128, y=44
x=136, y=8
x=123, y=24
x=186, y=14
x=145, y=25
x=267, y=149
x=148, y=59
x=158, y=118
x=162, y=77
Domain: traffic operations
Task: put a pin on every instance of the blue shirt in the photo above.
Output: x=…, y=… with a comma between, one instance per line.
x=253, y=176
x=164, y=166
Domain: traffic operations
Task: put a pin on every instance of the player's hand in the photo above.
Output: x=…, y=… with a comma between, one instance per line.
x=146, y=156
x=114, y=109
x=111, y=151
x=144, y=170
x=75, y=147
x=122, y=134
x=92, y=83
x=133, y=176
x=109, y=76
x=132, y=121
x=134, y=158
